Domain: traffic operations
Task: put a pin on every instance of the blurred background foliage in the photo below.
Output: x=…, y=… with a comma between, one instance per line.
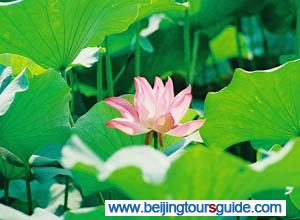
x=224, y=35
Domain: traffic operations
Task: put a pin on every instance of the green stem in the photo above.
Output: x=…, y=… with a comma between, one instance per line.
x=66, y=193
x=215, y=66
x=137, y=53
x=238, y=42
x=187, y=44
x=101, y=198
x=28, y=191
x=71, y=120
x=109, y=74
x=264, y=38
x=122, y=70
x=63, y=73
x=196, y=45
x=252, y=42
x=155, y=140
x=298, y=28
x=6, y=191
x=99, y=78
x=72, y=85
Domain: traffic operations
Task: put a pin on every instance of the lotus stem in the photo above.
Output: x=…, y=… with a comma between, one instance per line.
x=268, y=63
x=155, y=140
x=252, y=42
x=196, y=41
x=138, y=50
x=238, y=42
x=215, y=66
x=63, y=73
x=187, y=45
x=72, y=85
x=298, y=28
x=28, y=191
x=100, y=78
x=6, y=191
x=263, y=35
x=109, y=74
x=101, y=198
x=67, y=183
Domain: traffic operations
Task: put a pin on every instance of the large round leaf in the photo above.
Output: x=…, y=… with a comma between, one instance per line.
x=37, y=117
x=198, y=174
x=92, y=128
x=260, y=106
x=52, y=33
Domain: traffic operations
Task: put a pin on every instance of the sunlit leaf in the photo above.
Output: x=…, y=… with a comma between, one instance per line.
x=92, y=128
x=222, y=51
x=199, y=173
x=159, y=6
x=259, y=106
x=85, y=163
x=56, y=31
x=19, y=63
x=87, y=57
x=37, y=117
x=11, y=167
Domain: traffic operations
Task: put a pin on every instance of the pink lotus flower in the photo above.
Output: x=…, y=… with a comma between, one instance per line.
x=154, y=109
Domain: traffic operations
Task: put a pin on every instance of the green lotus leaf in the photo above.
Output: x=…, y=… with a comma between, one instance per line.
x=159, y=6
x=229, y=50
x=56, y=31
x=208, y=13
x=92, y=129
x=211, y=12
x=19, y=63
x=11, y=167
x=122, y=42
x=278, y=16
x=45, y=164
x=260, y=106
x=9, y=87
x=37, y=117
x=85, y=162
x=195, y=175
x=87, y=57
